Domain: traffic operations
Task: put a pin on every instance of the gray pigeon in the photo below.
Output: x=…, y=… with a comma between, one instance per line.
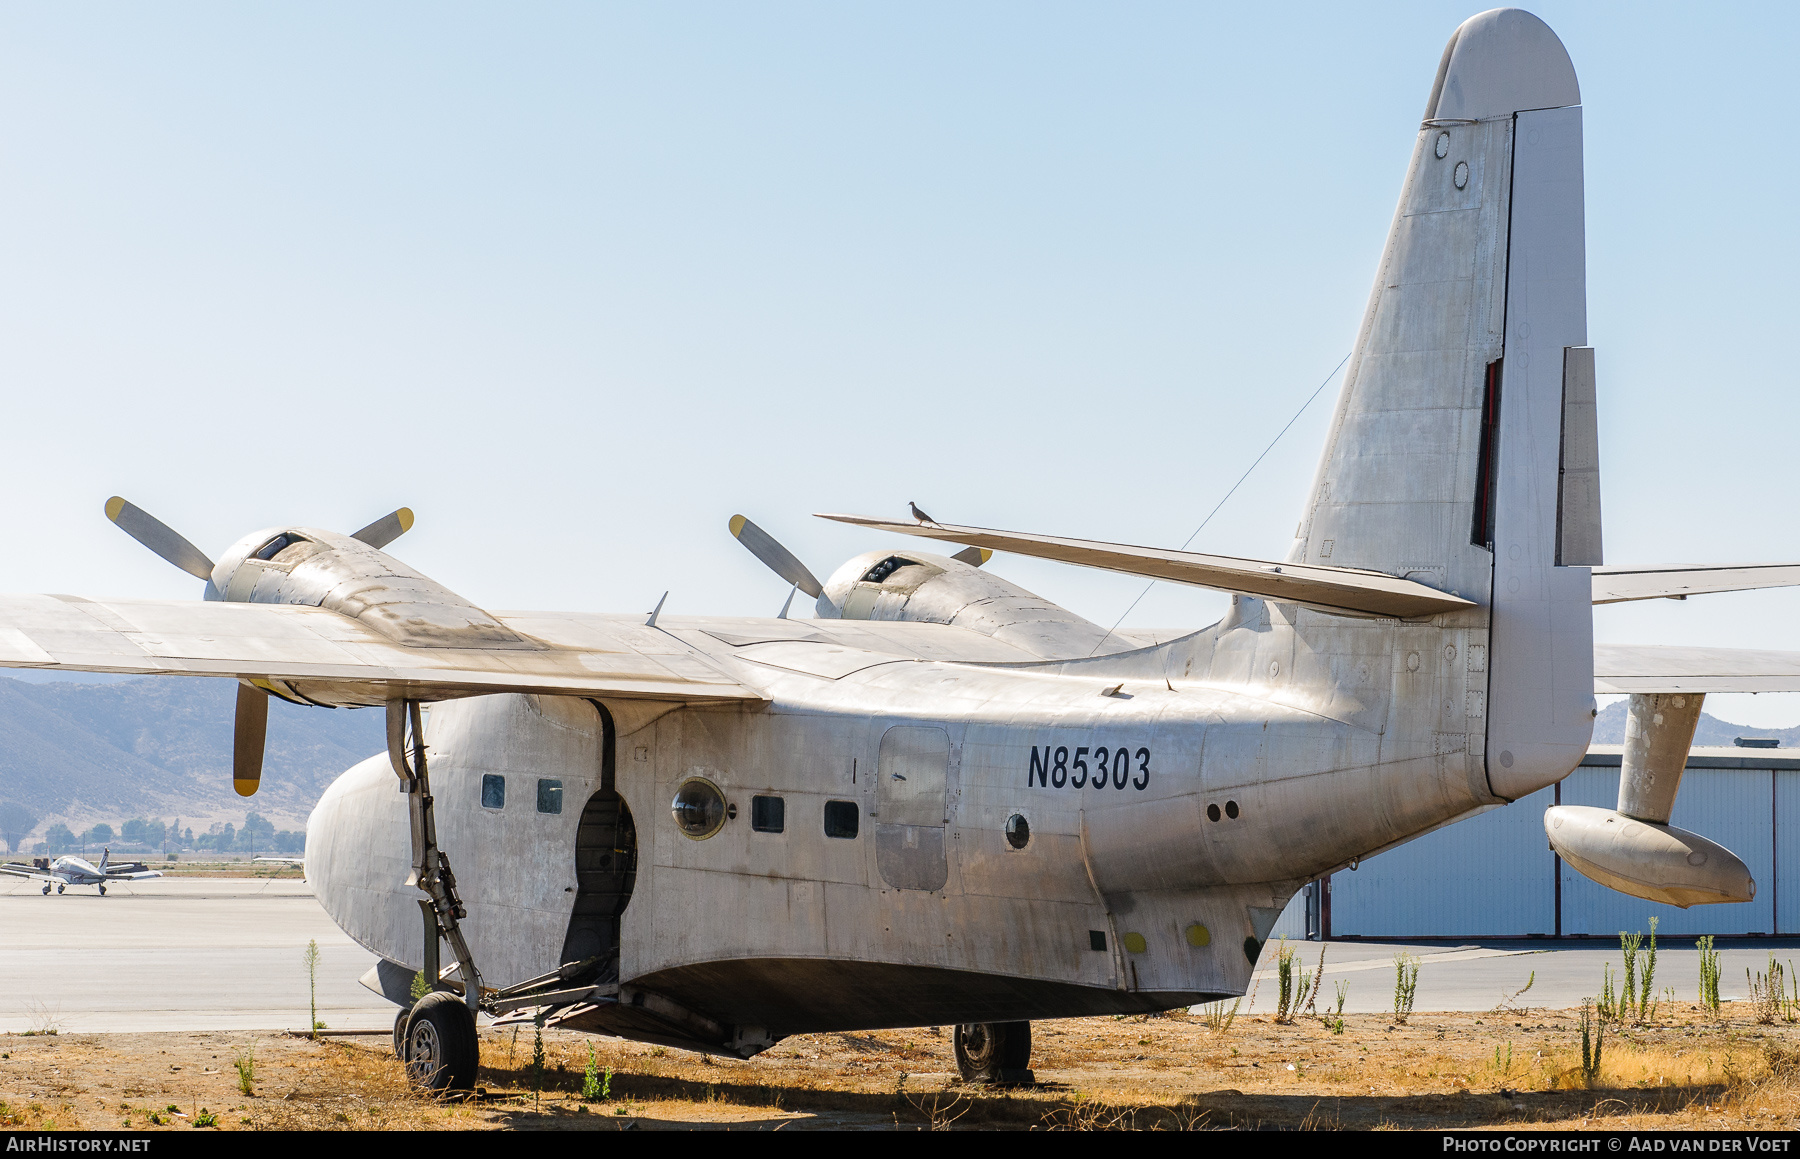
x=919, y=515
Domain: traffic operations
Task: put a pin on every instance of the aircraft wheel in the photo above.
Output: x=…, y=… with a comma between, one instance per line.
x=103, y=891
x=59, y=889
x=46, y=889
x=400, y=1032
x=994, y=1052
x=441, y=1050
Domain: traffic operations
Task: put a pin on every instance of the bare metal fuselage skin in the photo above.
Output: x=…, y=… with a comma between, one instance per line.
x=1176, y=791
x=1313, y=739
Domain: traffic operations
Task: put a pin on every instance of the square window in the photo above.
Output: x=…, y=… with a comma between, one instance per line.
x=768, y=814
x=493, y=791
x=840, y=818
x=1097, y=940
x=549, y=796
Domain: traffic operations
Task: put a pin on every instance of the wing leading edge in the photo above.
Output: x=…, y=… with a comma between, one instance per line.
x=314, y=654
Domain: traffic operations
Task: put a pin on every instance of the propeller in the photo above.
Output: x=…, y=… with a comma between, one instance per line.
x=248, y=735
x=386, y=529
x=250, y=730
x=159, y=537
x=777, y=558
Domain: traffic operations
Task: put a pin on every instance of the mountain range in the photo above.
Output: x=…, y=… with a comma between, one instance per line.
x=158, y=748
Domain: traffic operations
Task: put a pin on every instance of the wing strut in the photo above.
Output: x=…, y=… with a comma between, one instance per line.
x=431, y=869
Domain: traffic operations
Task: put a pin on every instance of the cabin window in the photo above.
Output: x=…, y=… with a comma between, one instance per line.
x=493, y=791
x=1018, y=831
x=699, y=808
x=768, y=814
x=840, y=819
x=549, y=796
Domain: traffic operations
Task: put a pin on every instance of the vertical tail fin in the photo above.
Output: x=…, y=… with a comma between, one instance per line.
x=1444, y=459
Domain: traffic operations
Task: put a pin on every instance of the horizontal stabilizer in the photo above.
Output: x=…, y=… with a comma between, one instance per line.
x=1625, y=668
x=1331, y=589
x=1678, y=581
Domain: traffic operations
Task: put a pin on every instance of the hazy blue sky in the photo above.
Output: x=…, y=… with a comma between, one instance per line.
x=577, y=282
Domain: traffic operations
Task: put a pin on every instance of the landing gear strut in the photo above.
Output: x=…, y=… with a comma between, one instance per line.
x=438, y=1043
x=994, y=1052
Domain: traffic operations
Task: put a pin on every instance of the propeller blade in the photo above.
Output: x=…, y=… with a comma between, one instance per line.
x=973, y=556
x=247, y=739
x=386, y=529
x=159, y=537
x=779, y=559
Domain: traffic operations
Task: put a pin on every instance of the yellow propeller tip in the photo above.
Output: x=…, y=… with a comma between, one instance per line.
x=246, y=788
x=405, y=516
x=114, y=506
x=737, y=525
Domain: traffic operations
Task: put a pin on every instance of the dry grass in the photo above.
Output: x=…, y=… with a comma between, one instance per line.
x=1519, y=1069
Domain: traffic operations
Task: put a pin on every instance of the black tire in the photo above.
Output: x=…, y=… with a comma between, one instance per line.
x=441, y=1051
x=400, y=1032
x=46, y=889
x=103, y=891
x=994, y=1052
x=59, y=889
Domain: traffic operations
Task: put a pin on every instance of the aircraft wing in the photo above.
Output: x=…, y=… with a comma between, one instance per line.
x=17, y=870
x=1332, y=589
x=1620, y=668
x=299, y=645
x=1678, y=581
x=132, y=875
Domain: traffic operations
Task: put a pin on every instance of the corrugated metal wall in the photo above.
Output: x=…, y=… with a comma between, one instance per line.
x=1493, y=875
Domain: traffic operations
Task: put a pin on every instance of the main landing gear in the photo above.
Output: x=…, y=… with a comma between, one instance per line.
x=994, y=1052
x=103, y=891
x=46, y=889
x=59, y=887
x=436, y=1037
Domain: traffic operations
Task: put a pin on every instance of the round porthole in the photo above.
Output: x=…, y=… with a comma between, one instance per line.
x=699, y=808
x=1212, y=812
x=1018, y=831
x=1443, y=145
x=1231, y=810
x=1461, y=175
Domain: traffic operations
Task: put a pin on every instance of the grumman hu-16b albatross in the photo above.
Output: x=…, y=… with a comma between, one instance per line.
x=945, y=800
x=67, y=871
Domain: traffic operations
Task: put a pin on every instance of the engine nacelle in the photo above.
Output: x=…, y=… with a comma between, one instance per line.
x=1654, y=862
x=304, y=565
x=935, y=589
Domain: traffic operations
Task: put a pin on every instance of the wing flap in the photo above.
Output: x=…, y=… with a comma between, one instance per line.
x=301, y=645
x=1624, y=668
x=1678, y=581
x=1334, y=589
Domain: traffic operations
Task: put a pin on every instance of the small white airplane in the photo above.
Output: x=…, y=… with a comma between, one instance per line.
x=946, y=800
x=71, y=870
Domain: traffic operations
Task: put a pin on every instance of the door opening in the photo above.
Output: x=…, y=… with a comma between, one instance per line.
x=605, y=867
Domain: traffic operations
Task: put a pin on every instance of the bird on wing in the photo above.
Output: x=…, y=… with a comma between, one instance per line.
x=919, y=515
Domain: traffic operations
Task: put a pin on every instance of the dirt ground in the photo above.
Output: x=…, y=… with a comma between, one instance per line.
x=1515, y=1069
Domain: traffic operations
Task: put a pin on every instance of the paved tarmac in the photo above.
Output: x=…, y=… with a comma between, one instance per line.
x=1483, y=976
x=208, y=953
x=228, y=954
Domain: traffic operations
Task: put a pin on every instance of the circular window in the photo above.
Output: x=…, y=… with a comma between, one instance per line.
x=1231, y=810
x=1461, y=176
x=1443, y=144
x=1212, y=812
x=1018, y=831
x=699, y=808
